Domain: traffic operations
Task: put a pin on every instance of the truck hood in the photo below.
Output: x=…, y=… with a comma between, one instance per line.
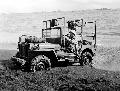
x=47, y=46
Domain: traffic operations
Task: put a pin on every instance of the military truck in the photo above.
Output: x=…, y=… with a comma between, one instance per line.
x=53, y=49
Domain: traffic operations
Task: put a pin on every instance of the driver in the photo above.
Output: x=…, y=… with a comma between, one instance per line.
x=71, y=37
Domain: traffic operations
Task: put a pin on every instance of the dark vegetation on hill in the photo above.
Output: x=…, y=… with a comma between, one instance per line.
x=61, y=79
x=71, y=78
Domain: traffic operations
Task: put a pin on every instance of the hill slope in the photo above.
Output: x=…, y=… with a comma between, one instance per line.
x=16, y=24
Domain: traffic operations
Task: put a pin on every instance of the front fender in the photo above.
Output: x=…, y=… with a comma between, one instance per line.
x=48, y=53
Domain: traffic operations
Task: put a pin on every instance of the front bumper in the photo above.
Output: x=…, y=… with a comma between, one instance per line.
x=19, y=60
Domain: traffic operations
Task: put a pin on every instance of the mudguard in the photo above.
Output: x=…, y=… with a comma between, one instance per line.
x=46, y=52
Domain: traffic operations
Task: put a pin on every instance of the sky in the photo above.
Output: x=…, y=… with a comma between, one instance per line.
x=10, y=6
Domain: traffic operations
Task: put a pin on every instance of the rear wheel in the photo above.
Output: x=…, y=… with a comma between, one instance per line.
x=86, y=58
x=39, y=63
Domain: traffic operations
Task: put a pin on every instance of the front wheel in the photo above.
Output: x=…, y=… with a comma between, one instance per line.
x=86, y=58
x=39, y=63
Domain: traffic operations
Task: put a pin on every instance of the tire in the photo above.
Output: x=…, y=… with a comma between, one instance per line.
x=39, y=63
x=86, y=58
